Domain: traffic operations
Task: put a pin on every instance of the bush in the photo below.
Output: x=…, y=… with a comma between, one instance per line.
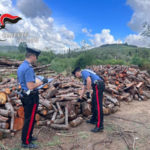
x=62, y=64
x=84, y=60
x=137, y=61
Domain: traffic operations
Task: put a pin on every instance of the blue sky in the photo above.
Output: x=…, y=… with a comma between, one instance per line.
x=97, y=22
x=93, y=14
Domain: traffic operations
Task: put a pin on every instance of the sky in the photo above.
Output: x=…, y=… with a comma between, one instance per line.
x=63, y=24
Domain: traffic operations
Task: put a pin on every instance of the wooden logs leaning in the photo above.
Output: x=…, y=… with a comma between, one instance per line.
x=59, y=109
x=9, y=107
x=46, y=103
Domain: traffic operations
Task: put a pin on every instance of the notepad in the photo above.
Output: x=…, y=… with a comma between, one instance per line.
x=39, y=79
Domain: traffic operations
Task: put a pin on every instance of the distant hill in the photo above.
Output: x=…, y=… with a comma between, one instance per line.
x=8, y=48
x=115, y=51
x=121, y=54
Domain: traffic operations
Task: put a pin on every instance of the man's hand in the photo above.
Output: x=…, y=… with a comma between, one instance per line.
x=45, y=80
x=88, y=94
x=79, y=100
x=32, y=85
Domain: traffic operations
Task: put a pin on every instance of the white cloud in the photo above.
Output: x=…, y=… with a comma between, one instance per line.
x=58, y=38
x=140, y=16
x=102, y=38
x=87, y=32
x=138, y=40
x=33, y=8
x=141, y=13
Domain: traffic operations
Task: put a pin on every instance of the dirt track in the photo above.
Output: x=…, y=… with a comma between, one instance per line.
x=131, y=131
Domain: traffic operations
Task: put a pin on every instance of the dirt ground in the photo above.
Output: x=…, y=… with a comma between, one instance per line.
x=128, y=129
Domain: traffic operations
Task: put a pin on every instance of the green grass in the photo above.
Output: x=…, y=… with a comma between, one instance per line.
x=13, y=76
x=84, y=135
x=110, y=128
x=55, y=142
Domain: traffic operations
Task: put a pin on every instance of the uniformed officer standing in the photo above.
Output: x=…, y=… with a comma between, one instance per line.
x=90, y=78
x=29, y=96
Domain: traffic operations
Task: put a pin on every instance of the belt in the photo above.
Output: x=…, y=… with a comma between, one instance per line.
x=29, y=92
x=98, y=81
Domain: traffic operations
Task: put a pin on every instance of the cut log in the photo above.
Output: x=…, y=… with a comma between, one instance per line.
x=3, y=98
x=124, y=96
x=54, y=108
x=46, y=103
x=59, y=121
x=59, y=109
x=9, y=107
x=66, y=95
x=53, y=117
x=41, y=123
x=9, y=62
x=114, y=109
x=5, y=113
x=5, y=131
x=20, y=112
x=146, y=93
x=41, y=67
x=7, y=91
x=46, y=86
x=51, y=92
x=4, y=125
x=139, y=85
x=66, y=116
x=43, y=112
x=18, y=124
x=106, y=111
x=61, y=92
x=37, y=117
x=86, y=109
x=76, y=122
x=128, y=86
x=3, y=119
x=59, y=126
x=5, y=81
x=113, y=100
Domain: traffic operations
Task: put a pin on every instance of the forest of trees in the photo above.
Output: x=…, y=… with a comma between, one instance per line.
x=122, y=54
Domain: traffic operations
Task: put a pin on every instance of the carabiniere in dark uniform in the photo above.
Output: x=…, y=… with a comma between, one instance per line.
x=91, y=79
x=29, y=96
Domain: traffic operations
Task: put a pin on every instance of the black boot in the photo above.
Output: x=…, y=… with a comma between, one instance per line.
x=31, y=145
x=33, y=138
x=96, y=129
x=91, y=121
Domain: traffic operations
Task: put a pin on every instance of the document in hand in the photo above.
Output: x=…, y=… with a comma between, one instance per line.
x=40, y=78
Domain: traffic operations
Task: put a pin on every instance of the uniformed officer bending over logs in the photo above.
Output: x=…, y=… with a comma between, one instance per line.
x=90, y=78
x=29, y=96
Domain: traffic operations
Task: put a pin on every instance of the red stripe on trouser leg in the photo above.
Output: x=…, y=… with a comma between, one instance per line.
x=98, y=107
x=31, y=123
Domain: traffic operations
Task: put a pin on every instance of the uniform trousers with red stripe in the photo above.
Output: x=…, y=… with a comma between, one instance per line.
x=30, y=104
x=97, y=103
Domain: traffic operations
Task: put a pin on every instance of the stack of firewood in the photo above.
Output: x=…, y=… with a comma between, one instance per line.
x=9, y=66
x=58, y=105
x=124, y=82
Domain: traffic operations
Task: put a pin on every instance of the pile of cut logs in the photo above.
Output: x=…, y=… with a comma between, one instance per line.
x=124, y=83
x=58, y=105
x=9, y=66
